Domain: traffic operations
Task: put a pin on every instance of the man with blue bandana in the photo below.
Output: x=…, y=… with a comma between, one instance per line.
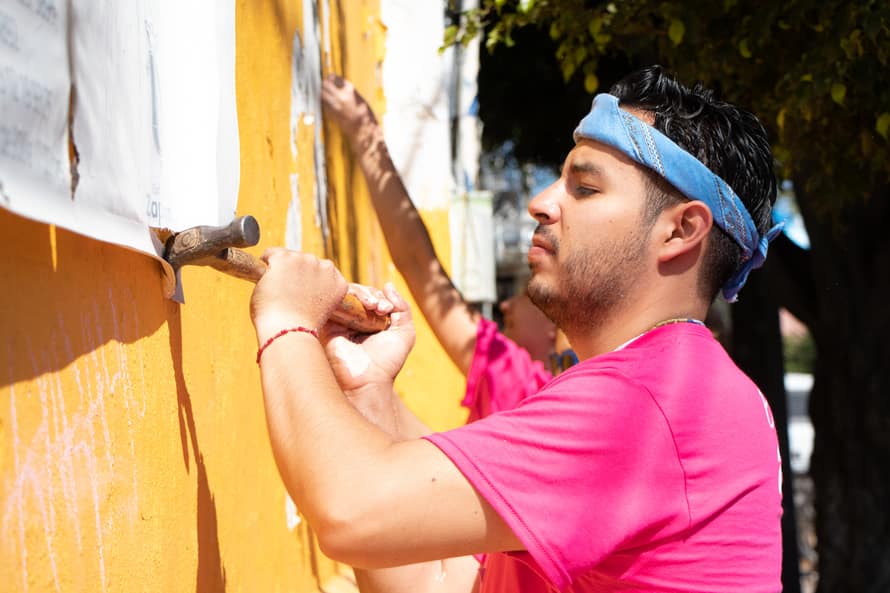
x=651, y=465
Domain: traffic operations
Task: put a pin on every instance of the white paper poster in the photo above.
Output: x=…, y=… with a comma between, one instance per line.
x=34, y=85
x=144, y=91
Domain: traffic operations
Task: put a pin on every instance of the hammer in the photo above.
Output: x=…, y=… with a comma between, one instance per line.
x=217, y=247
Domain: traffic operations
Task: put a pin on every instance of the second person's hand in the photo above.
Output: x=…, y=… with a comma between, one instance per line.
x=346, y=106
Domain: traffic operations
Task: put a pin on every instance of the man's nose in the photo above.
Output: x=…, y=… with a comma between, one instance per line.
x=544, y=207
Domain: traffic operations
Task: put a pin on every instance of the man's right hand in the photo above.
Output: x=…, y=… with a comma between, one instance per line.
x=346, y=106
x=297, y=289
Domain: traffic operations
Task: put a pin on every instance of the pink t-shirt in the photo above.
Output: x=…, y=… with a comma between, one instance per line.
x=651, y=468
x=501, y=374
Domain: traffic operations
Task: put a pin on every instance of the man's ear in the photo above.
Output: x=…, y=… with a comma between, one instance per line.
x=683, y=228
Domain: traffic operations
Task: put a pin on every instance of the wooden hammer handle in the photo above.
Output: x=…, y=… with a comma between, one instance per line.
x=349, y=313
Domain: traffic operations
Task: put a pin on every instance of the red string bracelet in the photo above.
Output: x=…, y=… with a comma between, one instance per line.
x=299, y=328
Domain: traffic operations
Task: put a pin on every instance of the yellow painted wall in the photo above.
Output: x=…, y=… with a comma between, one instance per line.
x=133, y=447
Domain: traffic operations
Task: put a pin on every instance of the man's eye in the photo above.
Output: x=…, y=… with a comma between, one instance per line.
x=582, y=190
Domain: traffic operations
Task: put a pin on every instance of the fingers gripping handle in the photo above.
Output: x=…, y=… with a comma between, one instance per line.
x=349, y=313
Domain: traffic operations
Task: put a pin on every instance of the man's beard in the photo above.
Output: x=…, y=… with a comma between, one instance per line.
x=591, y=284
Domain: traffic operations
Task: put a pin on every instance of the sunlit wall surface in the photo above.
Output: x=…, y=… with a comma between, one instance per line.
x=133, y=447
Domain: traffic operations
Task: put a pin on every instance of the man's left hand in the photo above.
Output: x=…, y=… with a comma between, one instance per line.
x=368, y=361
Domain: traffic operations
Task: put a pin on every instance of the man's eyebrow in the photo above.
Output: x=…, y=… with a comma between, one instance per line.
x=586, y=167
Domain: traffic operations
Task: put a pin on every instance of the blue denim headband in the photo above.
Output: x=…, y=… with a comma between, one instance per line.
x=610, y=125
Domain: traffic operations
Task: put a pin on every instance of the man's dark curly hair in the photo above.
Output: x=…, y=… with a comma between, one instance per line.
x=728, y=140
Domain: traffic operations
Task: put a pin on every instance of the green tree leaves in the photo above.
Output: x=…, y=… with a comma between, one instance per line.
x=816, y=71
x=838, y=92
x=676, y=31
x=882, y=126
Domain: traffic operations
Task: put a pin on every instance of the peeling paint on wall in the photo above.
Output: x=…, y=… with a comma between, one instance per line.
x=306, y=106
x=326, y=26
x=291, y=515
x=293, y=231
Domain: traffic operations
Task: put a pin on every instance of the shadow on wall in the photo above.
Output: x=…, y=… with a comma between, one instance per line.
x=67, y=296
x=211, y=575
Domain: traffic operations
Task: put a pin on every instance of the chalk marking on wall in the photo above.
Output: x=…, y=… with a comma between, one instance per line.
x=27, y=469
x=46, y=394
x=90, y=458
x=69, y=477
x=47, y=506
x=97, y=406
x=63, y=449
x=95, y=409
x=15, y=456
x=123, y=376
x=101, y=366
x=23, y=479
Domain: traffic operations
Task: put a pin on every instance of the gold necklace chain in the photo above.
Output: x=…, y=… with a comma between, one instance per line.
x=661, y=323
x=676, y=320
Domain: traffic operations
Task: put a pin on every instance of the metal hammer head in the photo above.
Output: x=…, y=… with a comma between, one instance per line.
x=202, y=242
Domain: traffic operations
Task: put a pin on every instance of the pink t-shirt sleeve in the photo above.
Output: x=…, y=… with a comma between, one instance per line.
x=501, y=373
x=563, y=473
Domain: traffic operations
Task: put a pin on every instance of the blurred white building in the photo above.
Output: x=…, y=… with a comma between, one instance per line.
x=800, y=429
